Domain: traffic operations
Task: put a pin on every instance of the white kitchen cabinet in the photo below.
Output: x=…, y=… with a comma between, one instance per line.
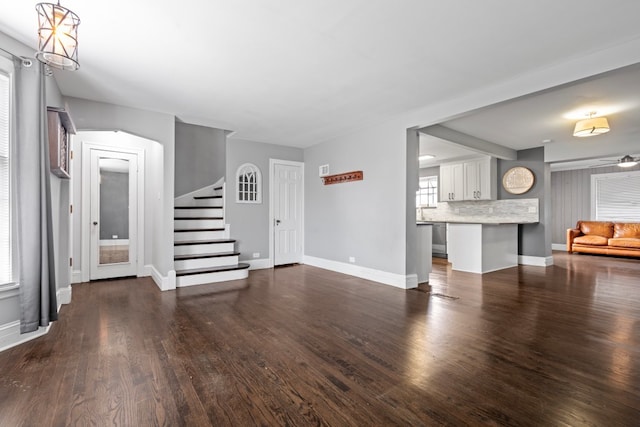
x=469, y=180
x=480, y=182
x=451, y=182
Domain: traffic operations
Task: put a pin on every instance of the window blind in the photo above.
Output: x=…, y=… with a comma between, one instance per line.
x=5, y=208
x=617, y=197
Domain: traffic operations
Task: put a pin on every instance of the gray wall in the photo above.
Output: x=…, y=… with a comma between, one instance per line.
x=114, y=205
x=364, y=219
x=533, y=239
x=200, y=157
x=571, y=198
x=159, y=127
x=432, y=171
x=250, y=222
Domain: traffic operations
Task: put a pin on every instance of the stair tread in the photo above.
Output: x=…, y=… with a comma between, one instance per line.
x=203, y=242
x=185, y=230
x=197, y=217
x=210, y=255
x=207, y=197
x=239, y=266
x=197, y=207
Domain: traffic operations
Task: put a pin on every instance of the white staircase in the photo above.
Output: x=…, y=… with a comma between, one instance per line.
x=203, y=251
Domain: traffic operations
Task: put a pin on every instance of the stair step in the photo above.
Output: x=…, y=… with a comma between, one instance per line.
x=185, y=230
x=207, y=197
x=203, y=242
x=239, y=266
x=209, y=255
x=196, y=217
x=197, y=207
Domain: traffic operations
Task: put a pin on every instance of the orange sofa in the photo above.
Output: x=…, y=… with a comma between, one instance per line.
x=605, y=238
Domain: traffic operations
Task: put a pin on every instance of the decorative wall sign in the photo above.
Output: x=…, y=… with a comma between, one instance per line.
x=518, y=180
x=342, y=177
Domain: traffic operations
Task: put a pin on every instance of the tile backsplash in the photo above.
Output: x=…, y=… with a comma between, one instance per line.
x=515, y=211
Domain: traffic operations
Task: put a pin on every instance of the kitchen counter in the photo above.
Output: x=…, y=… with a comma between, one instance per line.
x=482, y=248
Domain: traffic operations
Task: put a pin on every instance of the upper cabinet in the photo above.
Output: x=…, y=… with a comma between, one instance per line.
x=451, y=182
x=469, y=180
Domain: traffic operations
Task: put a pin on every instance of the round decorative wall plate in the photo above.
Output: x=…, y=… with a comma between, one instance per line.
x=518, y=180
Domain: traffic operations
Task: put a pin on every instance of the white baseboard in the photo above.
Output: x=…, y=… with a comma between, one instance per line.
x=63, y=296
x=559, y=246
x=165, y=283
x=537, y=261
x=258, y=264
x=10, y=335
x=384, y=277
x=76, y=276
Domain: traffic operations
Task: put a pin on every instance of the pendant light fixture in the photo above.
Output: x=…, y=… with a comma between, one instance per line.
x=591, y=126
x=57, y=36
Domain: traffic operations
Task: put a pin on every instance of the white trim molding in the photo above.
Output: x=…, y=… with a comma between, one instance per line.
x=63, y=296
x=10, y=335
x=392, y=279
x=165, y=283
x=537, y=261
x=9, y=290
x=559, y=247
x=258, y=264
x=76, y=276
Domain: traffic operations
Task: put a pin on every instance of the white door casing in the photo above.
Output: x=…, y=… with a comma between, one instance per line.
x=84, y=213
x=286, y=202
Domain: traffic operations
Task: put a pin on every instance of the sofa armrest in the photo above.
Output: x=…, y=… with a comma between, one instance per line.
x=572, y=233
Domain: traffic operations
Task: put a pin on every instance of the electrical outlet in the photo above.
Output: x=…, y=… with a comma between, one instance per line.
x=532, y=209
x=256, y=254
x=352, y=259
x=114, y=236
x=490, y=210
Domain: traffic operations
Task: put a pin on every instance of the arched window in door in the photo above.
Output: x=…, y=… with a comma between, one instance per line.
x=248, y=184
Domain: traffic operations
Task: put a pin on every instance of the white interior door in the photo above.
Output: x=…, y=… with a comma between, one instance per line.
x=113, y=214
x=287, y=213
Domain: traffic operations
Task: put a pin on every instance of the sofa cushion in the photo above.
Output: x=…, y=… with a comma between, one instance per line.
x=597, y=228
x=591, y=240
x=626, y=229
x=625, y=242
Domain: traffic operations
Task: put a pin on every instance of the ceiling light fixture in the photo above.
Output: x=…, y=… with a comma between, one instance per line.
x=57, y=36
x=591, y=126
x=627, y=162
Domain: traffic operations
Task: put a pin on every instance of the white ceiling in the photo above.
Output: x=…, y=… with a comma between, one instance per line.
x=548, y=118
x=299, y=72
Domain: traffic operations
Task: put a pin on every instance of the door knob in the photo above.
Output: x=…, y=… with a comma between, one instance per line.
x=277, y=222
x=95, y=222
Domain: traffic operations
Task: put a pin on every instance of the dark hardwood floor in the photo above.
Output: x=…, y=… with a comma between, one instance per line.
x=304, y=346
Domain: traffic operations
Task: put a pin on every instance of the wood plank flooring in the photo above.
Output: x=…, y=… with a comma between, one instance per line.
x=303, y=346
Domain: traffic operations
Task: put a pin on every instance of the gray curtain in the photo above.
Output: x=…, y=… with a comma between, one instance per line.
x=36, y=267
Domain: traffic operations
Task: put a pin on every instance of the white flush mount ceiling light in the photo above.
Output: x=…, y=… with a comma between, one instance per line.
x=627, y=161
x=591, y=126
x=57, y=36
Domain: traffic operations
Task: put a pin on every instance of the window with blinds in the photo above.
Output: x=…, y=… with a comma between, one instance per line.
x=5, y=183
x=616, y=196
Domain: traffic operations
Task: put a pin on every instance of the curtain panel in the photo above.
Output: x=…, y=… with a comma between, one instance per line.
x=34, y=232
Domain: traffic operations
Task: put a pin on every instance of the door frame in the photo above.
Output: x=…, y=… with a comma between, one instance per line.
x=272, y=167
x=85, y=226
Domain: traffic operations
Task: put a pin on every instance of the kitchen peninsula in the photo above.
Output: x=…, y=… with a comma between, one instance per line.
x=483, y=235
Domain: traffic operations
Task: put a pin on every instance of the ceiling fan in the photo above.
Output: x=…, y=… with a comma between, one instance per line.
x=626, y=161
